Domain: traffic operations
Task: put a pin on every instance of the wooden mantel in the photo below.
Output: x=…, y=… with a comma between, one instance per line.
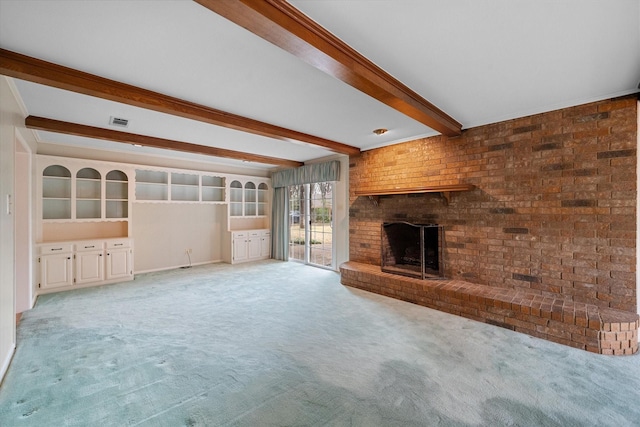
x=444, y=190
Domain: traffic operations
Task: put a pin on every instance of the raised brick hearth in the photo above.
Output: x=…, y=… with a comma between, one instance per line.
x=550, y=216
x=579, y=325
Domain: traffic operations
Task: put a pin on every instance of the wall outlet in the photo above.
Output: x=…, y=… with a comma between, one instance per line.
x=188, y=251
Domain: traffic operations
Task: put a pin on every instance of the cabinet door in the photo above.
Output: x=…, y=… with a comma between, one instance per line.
x=56, y=271
x=89, y=267
x=118, y=263
x=239, y=249
x=254, y=245
x=265, y=245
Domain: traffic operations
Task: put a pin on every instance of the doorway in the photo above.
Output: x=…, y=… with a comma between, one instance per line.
x=311, y=224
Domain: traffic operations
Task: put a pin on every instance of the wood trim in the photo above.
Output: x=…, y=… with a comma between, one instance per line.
x=23, y=67
x=416, y=190
x=50, y=125
x=444, y=190
x=285, y=26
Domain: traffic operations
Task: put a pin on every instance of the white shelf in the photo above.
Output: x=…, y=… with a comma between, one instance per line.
x=72, y=191
x=179, y=187
x=248, y=200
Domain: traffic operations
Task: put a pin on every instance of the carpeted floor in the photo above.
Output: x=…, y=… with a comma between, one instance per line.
x=283, y=344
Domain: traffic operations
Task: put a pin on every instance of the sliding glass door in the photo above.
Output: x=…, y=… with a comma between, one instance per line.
x=311, y=224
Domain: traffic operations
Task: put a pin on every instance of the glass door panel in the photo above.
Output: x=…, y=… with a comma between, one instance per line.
x=297, y=230
x=321, y=224
x=311, y=224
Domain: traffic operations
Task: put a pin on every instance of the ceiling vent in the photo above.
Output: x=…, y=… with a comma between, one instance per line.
x=116, y=121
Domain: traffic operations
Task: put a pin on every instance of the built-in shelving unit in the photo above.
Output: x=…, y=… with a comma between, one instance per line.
x=85, y=215
x=235, y=199
x=174, y=186
x=152, y=185
x=88, y=194
x=212, y=188
x=185, y=187
x=261, y=204
x=82, y=199
x=117, y=194
x=248, y=199
x=56, y=193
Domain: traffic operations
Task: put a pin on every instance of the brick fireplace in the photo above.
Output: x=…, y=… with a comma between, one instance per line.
x=550, y=216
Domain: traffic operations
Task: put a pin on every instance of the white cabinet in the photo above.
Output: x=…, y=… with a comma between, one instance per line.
x=250, y=245
x=119, y=259
x=253, y=249
x=265, y=244
x=240, y=249
x=56, y=263
x=89, y=262
x=83, y=263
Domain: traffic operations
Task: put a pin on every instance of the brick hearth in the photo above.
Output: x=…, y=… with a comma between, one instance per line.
x=579, y=325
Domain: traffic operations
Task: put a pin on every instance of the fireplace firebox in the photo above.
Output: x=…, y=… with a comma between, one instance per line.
x=413, y=250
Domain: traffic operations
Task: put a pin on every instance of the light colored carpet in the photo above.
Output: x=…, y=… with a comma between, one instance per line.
x=282, y=344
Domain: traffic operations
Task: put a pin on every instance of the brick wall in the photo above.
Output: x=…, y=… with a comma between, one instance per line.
x=554, y=209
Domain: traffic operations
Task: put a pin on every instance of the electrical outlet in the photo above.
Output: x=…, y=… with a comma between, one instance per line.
x=188, y=251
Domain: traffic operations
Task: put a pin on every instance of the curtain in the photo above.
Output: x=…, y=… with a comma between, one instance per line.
x=281, y=180
x=307, y=174
x=280, y=224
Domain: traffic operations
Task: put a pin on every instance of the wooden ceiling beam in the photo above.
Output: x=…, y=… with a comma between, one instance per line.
x=51, y=125
x=288, y=28
x=23, y=67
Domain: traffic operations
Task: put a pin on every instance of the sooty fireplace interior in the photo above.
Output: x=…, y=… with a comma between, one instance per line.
x=413, y=250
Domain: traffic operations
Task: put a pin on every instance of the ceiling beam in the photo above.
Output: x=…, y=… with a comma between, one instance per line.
x=51, y=125
x=288, y=28
x=23, y=67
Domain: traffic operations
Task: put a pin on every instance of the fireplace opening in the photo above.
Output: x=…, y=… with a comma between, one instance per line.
x=413, y=250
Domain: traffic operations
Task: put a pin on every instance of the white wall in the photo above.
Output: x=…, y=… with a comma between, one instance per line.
x=162, y=233
x=10, y=117
x=23, y=236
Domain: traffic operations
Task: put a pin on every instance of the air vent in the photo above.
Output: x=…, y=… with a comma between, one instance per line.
x=116, y=121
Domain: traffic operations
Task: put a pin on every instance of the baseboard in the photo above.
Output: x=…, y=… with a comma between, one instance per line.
x=174, y=267
x=7, y=361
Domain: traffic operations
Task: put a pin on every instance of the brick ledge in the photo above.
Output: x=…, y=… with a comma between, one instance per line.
x=579, y=325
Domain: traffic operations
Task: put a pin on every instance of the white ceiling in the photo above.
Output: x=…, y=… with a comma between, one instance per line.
x=479, y=61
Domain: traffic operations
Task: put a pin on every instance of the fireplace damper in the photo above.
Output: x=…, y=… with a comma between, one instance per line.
x=413, y=250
